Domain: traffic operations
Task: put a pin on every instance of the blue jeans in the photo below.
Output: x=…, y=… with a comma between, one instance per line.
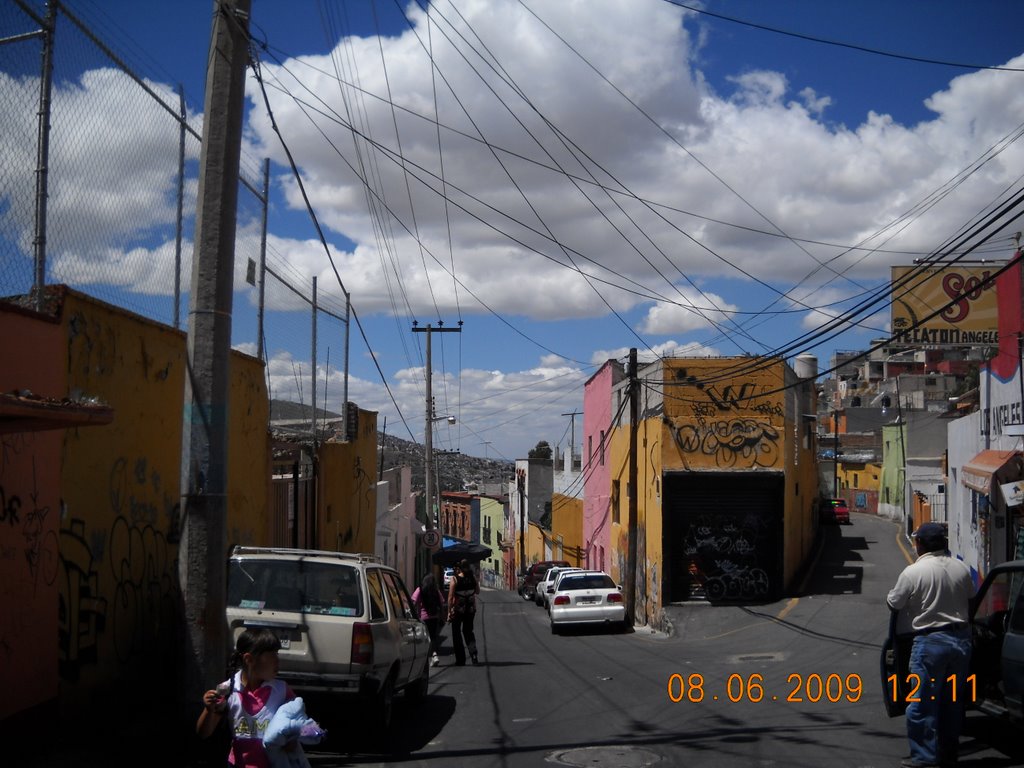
x=934, y=722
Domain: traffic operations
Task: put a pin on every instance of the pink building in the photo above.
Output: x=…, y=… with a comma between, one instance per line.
x=598, y=410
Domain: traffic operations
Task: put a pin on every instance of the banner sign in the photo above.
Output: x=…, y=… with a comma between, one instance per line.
x=971, y=320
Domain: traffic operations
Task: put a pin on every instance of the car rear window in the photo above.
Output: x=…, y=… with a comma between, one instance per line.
x=571, y=582
x=298, y=586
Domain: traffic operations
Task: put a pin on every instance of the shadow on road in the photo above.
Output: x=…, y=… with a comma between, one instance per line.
x=414, y=725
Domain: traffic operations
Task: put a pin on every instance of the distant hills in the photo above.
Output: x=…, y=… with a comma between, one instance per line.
x=453, y=471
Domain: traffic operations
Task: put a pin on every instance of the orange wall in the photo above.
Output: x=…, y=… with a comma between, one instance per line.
x=110, y=495
x=31, y=357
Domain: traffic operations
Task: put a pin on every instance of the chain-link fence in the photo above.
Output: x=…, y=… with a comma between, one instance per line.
x=119, y=157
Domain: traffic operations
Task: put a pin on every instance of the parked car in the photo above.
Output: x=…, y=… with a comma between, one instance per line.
x=587, y=597
x=449, y=574
x=545, y=585
x=534, y=574
x=840, y=512
x=346, y=622
x=996, y=683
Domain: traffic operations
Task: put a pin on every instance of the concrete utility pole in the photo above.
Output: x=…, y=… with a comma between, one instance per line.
x=201, y=557
x=631, y=492
x=572, y=434
x=428, y=433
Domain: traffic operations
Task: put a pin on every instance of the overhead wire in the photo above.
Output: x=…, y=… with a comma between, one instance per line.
x=840, y=44
x=573, y=148
x=254, y=62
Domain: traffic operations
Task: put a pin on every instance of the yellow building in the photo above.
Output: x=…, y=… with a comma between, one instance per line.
x=726, y=476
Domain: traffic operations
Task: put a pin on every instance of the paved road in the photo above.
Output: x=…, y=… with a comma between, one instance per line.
x=751, y=694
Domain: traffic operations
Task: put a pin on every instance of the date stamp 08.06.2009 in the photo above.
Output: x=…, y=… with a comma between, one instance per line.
x=834, y=688
x=753, y=688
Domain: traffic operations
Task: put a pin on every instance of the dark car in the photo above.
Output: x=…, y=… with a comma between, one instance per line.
x=996, y=683
x=534, y=575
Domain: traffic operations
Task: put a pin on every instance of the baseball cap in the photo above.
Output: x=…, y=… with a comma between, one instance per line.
x=930, y=532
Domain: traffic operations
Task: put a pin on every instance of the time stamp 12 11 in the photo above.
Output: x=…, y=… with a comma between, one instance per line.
x=834, y=688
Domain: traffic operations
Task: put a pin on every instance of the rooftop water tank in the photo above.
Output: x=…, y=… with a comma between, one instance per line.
x=806, y=366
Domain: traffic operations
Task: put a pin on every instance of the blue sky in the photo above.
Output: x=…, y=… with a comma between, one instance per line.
x=699, y=163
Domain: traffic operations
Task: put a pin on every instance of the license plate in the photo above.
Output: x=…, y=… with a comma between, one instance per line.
x=285, y=638
x=586, y=600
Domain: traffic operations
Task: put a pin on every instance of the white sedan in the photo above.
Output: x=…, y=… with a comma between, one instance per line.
x=587, y=597
x=546, y=588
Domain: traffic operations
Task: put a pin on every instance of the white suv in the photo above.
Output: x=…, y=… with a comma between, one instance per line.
x=346, y=622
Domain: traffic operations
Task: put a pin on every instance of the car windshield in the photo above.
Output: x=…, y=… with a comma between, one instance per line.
x=298, y=586
x=586, y=581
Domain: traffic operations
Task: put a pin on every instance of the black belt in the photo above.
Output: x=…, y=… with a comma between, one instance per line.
x=957, y=625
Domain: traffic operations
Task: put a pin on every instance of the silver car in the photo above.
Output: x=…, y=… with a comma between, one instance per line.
x=587, y=597
x=346, y=622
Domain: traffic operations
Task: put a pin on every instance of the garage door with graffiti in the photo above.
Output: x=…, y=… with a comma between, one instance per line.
x=723, y=536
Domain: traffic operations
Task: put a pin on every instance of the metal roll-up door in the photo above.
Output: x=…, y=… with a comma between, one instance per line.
x=723, y=536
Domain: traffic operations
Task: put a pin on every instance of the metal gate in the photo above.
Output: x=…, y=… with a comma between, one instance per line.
x=723, y=536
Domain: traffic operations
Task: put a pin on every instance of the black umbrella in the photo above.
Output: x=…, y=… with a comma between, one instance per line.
x=461, y=551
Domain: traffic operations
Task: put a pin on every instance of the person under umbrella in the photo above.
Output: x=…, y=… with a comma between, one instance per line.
x=462, y=610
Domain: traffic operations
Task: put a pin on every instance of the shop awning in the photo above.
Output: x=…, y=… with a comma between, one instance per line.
x=977, y=473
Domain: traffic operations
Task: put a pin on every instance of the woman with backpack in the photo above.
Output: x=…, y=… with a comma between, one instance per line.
x=462, y=610
x=430, y=603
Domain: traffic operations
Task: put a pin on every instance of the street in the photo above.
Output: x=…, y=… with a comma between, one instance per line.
x=604, y=699
x=793, y=683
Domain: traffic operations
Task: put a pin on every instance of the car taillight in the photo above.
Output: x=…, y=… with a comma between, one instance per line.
x=615, y=597
x=562, y=600
x=362, y=644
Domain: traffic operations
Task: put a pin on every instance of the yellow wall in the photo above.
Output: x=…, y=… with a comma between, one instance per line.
x=732, y=424
x=120, y=519
x=860, y=477
x=347, y=491
x=618, y=453
x=567, y=522
x=534, y=544
x=750, y=423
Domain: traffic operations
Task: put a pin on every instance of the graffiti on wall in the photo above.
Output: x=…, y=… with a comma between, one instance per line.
x=721, y=556
x=120, y=581
x=82, y=613
x=726, y=426
x=729, y=444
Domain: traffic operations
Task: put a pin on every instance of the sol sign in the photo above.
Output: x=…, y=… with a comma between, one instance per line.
x=966, y=296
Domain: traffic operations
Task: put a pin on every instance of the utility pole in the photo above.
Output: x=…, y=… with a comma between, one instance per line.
x=572, y=433
x=428, y=433
x=521, y=487
x=48, y=25
x=835, y=454
x=631, y=491
x=202, y=552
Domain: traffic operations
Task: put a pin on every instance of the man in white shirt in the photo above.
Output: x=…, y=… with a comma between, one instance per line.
x=932, y=595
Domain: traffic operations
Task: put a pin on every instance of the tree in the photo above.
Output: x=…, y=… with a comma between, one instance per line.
x=541, y=451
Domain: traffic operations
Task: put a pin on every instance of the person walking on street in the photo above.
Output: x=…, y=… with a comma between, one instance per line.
x=430, y=603
x=250, y=698
x=932, y=595
x=462, y=610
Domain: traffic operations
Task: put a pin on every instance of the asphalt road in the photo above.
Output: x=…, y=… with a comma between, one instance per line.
x=793, y=683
